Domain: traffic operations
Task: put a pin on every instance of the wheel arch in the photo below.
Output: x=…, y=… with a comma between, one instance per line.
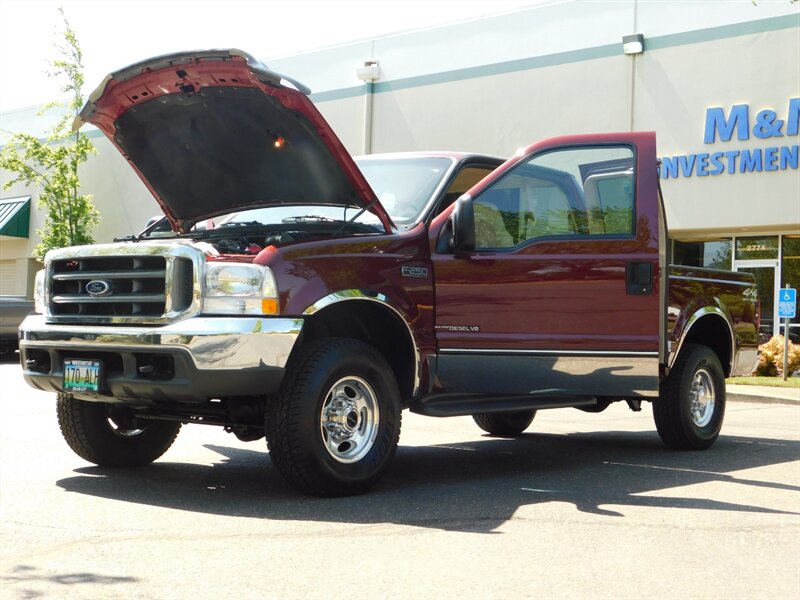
x=371, y=318
x=710, y=327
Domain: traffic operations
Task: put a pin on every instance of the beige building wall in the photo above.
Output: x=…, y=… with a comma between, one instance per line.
x=346, y=117
x=124, y=202
x=695, y=57
x=499, y=114
x=673, y=88
x=497, y=84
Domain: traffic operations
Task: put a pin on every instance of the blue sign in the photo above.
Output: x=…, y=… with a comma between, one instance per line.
x=720, y=126
x=787, y=303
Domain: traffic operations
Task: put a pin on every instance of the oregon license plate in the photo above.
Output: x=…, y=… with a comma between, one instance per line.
x=82, y=375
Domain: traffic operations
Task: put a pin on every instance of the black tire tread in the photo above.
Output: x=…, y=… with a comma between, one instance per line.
x=284, y=412
x=506, y=424
x=79, y=422
x=671, y=422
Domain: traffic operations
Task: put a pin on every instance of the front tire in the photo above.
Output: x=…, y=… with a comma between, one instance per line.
x=109, y=435
x=691, y=404
x=508, y=423
x=335, y=424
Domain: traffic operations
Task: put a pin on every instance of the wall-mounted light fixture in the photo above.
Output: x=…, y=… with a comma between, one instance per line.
x=633, y=44
x=369, y=72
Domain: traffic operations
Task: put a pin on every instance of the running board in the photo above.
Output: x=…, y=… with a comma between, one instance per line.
x=458, y=405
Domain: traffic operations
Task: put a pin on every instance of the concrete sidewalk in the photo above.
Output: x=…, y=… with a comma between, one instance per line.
x=761, y=393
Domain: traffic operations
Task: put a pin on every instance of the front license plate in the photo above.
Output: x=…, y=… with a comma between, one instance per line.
x=82, y=375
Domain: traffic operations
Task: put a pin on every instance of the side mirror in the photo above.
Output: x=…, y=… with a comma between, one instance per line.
x=463, y=225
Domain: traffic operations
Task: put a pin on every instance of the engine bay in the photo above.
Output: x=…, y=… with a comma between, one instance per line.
x=252, y=237
x=253, y=244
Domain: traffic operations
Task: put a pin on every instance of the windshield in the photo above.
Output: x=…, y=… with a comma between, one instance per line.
x=403, y=186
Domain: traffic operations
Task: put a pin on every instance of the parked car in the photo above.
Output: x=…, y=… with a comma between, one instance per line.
x=331, y=294
x=13, y=309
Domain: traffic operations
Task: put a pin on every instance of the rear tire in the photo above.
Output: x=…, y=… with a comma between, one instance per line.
x=691, y=404
x=509, y=423
x=109, y=435
x=335, y=424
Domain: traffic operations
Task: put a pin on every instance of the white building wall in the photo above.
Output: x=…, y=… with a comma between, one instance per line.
x=495, y=84
x=124, y=202
x=539, y=31
x=761, y=70
x=498, y=114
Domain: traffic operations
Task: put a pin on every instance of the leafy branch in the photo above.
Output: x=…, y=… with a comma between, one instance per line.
x=51, y=165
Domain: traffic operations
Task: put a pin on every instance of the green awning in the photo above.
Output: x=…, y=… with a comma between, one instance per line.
x=15, y=217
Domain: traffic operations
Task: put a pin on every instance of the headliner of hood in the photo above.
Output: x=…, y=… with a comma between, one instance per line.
x=201, y=132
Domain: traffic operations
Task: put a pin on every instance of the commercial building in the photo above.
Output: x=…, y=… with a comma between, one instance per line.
x=718, y=81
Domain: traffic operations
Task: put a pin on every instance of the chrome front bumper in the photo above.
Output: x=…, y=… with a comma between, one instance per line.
x=207, y=357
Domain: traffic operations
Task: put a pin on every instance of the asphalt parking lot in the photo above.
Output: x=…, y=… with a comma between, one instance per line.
x=581, y=506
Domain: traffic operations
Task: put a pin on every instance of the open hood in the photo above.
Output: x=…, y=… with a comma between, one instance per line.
x=214, y=131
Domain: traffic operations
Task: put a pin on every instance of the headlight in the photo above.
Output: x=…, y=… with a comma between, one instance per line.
x=38, y=293
x=234, y=289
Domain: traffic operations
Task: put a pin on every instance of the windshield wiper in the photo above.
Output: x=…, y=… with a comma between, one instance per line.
x=354, y=217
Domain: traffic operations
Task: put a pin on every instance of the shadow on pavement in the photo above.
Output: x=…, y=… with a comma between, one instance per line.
x=27, y=575
x=475, y=486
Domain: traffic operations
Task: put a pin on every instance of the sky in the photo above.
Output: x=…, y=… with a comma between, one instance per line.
x=116, y=33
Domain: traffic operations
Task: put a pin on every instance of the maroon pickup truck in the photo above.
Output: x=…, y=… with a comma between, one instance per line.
x=322, y=295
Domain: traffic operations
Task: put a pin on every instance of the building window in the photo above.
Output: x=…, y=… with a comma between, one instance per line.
x=756, y=248
x=712, y=254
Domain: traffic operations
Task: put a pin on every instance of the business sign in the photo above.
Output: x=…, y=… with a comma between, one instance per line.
x=787, y=303
x=721, y=126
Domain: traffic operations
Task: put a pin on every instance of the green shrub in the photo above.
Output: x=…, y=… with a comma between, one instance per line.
x=770, y=358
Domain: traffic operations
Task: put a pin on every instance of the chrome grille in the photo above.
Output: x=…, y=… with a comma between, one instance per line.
x=126, y=286
x=122, y=283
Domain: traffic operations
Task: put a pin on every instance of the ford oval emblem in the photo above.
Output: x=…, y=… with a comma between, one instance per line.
x=98, y=287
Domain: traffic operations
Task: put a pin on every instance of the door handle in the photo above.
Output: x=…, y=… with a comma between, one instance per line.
x=639, y=278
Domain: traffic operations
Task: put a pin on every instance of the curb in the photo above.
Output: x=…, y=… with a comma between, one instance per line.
x=756, y=399
x=763, y=394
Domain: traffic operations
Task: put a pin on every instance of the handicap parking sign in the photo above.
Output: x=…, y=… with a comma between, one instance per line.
x=787, y=303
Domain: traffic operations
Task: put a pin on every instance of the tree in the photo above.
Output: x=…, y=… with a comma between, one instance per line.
x=51, y=165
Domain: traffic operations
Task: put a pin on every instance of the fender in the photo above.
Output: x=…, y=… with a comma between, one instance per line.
x=371, y=296
x=693, y=320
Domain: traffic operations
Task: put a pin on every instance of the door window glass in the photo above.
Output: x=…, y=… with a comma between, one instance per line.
x=570, y=192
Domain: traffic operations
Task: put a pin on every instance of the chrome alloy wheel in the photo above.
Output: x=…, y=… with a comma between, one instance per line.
x=349, y=419
x=702, y=397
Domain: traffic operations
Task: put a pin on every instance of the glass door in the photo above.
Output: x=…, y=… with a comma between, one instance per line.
x=759, y=255
x=765, y=280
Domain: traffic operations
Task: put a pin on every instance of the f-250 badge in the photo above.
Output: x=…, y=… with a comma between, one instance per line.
x=409, y=271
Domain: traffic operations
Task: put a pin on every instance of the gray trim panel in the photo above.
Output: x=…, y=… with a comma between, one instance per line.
x=515, y=374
